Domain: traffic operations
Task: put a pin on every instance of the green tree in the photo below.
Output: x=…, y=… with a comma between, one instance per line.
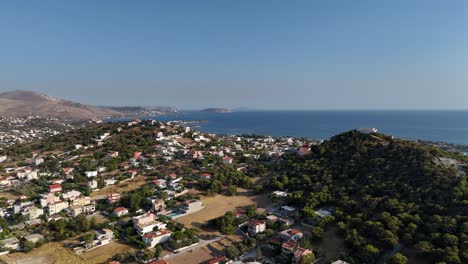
x=307, y=259
x=398, y=258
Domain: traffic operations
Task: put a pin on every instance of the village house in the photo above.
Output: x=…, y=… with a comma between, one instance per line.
x=57, y=207
x=55, y=188
x=3, y=158
x=145, y=223
x=299, y=253
x=48, y=198
x=104, y=234
x=112, y=198
x=33, y=212
x=255, y=227
x=288, y=248
x=71, y=195
x=76, y=210
x=160, y=183
x=159, y=205
x=291, y=234
x=68, y=170
x=191, y=206
x=112, y=154
x=11, y=243
x=90, y=174
x=227, y=160
x=33, y=238
x=153, y=238
x=205, y=176
x=81, y=201
x=92, y=184
x=120, y=211
x=109, y=182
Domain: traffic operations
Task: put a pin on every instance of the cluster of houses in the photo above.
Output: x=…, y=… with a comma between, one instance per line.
x=170, y=144
x=15, y=130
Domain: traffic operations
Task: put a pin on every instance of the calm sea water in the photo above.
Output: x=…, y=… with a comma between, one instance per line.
x=446, y=126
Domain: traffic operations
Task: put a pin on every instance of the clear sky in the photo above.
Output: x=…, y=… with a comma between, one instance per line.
x=328, y=54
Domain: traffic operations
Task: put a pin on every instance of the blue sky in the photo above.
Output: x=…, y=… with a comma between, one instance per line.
x=257, y=54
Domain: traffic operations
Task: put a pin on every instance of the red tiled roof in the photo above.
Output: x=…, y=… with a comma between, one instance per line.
x=288, y=245
x=55, y=186
x=120, y=209
x=255, y=222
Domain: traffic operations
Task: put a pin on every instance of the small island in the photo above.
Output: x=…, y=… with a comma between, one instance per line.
x=216, y=110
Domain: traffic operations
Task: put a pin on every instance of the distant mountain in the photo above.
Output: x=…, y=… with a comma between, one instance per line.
x=24, y=103
x=216, y=110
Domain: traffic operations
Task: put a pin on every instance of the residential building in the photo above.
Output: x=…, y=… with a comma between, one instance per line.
x=151, y=239
x=205, y=176
x=159, y=205
x=291, y=234
x=191, y=206
x=11, y=243
x=90, y=174
x=55, y=188
x=34, y=238
x=120, y=211
x=113, y=198
x=104, y=234
x=57, y=207
x=255, y=227
x=81, y=201
x=145, y=223
x=288, y=248
x=299, y=253
x=34, y=212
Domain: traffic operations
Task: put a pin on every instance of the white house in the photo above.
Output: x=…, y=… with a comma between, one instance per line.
x=153, y=238
x=90, y=174
x=92, y=184
x=57, y=207
x=120, y=211
x=3, y=158
x=109, y=182
x=256, y=226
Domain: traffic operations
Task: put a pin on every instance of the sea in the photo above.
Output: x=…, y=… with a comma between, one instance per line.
x=437, y=126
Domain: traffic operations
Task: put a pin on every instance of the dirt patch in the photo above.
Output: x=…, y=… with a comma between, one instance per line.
x=104, y=253
x=57, y=254
x=215, y=206
x=48, y=253
x=122, y=187
x=197, y=256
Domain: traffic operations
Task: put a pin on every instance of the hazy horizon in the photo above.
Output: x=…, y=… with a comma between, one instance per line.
x=260, y=55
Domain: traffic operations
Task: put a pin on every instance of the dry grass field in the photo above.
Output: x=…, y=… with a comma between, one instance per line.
x=197, y=256
x=55, y=253
x=126, y=186
x=215, y=206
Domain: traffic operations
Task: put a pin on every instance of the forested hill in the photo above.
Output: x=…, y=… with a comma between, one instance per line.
x=387, y=194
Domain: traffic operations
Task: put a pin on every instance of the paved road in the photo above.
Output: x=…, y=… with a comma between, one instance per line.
x=200, y=244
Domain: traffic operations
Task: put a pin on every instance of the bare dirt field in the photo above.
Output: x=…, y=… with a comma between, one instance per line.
x=54, y=253
x=199, y=255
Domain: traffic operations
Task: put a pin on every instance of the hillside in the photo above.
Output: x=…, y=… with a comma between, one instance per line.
x=23, y=103
x=388, y=194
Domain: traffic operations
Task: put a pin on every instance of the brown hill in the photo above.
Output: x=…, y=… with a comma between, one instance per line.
x=23, y=103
